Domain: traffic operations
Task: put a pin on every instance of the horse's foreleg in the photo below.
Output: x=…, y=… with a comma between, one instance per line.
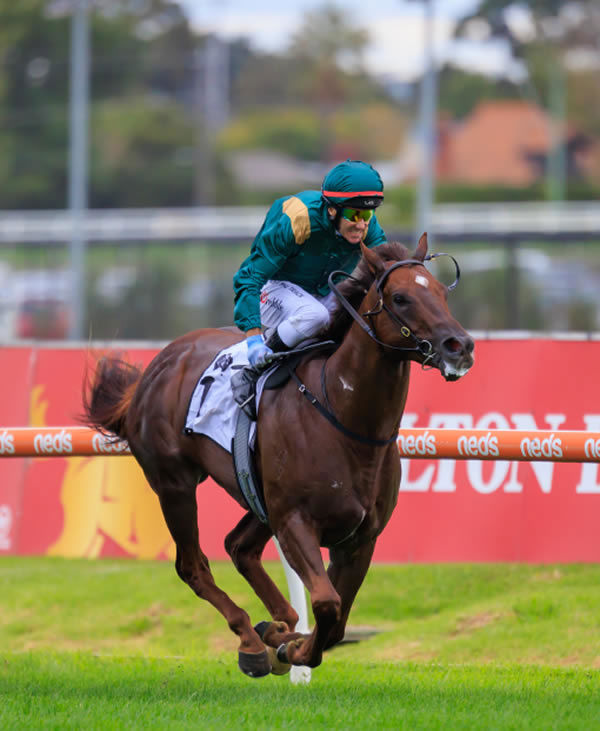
x=179, y=508
x=300, y=545
x=347, y=570
x=245, y=544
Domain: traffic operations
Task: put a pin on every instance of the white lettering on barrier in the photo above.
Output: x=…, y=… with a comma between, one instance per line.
x=496, y=471
x=422, y=483
x=446, y=468
x=486, y=446
x=103, y=445
x=549, y=447
x=588, y=482
x=440, y=477
x=543, y=471
x=7, y=443
x=592, y=448
x=59, y=443
x=422, y=445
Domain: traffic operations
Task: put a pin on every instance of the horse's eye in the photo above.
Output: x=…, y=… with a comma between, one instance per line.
x=401, y=299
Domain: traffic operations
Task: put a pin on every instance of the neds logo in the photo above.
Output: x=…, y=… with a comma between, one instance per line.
x=484, y=446
x=549, y=447
x=58, y=443
x=102, y=445
x=591, y=447
x=7, y=443
x=423, y=444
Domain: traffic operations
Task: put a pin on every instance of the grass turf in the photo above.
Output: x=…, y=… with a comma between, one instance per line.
x=124, y=644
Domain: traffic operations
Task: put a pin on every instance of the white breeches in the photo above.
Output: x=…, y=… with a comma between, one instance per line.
x=296, y=314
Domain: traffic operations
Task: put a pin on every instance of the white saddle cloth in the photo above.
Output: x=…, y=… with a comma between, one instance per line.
x=212, y=411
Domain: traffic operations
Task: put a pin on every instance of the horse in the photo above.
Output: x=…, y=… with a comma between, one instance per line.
x=327, y=482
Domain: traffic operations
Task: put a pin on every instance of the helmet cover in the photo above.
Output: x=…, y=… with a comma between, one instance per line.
x=354, y=184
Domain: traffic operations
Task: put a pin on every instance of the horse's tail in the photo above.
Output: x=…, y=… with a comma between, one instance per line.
x=107, y=394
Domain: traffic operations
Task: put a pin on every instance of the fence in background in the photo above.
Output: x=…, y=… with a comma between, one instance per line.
x=156, y=273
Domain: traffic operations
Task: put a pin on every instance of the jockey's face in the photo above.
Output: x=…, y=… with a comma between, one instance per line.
x=353, y=231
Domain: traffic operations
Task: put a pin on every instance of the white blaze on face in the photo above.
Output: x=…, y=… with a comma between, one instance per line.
x=423, y=281
x=346, y=386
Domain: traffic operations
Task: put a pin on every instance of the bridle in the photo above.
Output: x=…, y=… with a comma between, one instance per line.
x=423, y=346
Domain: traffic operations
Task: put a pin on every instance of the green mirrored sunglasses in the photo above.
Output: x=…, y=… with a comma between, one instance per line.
x=357, y=214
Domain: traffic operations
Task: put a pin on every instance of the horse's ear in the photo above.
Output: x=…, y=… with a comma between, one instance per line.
x=421, y=250
x=373, y=260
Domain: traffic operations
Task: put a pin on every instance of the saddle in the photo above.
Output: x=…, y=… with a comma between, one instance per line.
x=243, y=385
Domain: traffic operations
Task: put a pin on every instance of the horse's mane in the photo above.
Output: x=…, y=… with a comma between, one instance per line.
x=354, y=289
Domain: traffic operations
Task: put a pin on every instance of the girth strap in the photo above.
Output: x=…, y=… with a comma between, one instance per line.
x=243, y=460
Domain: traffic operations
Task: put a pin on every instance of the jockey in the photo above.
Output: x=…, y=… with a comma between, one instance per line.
x=281, y=288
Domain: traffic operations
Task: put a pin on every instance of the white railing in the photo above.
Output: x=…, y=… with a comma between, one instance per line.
x=147, y=224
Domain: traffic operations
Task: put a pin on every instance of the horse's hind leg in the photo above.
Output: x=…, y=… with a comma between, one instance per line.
x=245, y=544
x=178, y=503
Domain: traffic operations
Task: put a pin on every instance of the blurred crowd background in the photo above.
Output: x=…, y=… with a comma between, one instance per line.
x=132, y=183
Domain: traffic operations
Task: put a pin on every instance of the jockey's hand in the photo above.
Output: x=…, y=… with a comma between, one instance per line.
x=258, y=351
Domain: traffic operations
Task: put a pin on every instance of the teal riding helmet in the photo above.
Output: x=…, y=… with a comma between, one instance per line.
x=353, y=184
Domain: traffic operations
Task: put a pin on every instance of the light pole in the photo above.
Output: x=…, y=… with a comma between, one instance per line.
x=78, y=157
x=427, y=127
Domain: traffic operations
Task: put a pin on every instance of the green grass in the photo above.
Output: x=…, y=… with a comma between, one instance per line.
x=124, y=644
x=84, y=691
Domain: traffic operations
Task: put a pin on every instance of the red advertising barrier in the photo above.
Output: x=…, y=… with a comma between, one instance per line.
x=462, y=503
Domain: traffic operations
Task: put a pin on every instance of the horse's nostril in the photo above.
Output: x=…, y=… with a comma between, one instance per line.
x=453, y=345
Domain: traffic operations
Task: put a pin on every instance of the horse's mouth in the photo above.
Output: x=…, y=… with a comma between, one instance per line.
x=452, y=372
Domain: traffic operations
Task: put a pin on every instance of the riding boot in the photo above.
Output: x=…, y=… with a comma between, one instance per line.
x=243, y=381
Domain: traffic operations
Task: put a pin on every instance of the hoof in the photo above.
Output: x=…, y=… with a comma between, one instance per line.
x=277, y=666
x=254, y=664
x=283, y=651
x=274, y=634
x=261, y=628
x=281, y=654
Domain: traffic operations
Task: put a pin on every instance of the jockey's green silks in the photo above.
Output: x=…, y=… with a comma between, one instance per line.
x=297, y=243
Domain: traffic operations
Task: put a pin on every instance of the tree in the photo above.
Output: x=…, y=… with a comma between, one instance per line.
x=556, y=44
x=460, y=91
x=551, y=39
x=139, y=53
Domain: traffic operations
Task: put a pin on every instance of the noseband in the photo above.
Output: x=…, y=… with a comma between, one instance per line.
x=421, y=345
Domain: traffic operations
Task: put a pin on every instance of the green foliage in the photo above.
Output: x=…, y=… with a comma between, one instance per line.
x=558, y=28
x=369, y=132
x=461, y=91
x=141, y=142
x=129, y=44
x=292, y=130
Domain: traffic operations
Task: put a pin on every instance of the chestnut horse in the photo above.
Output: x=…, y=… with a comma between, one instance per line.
x=329, y=482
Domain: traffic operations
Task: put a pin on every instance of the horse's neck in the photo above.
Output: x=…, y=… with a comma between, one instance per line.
x=367, y=390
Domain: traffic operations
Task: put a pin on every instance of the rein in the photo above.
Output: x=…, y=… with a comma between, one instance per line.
x=422, y=346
